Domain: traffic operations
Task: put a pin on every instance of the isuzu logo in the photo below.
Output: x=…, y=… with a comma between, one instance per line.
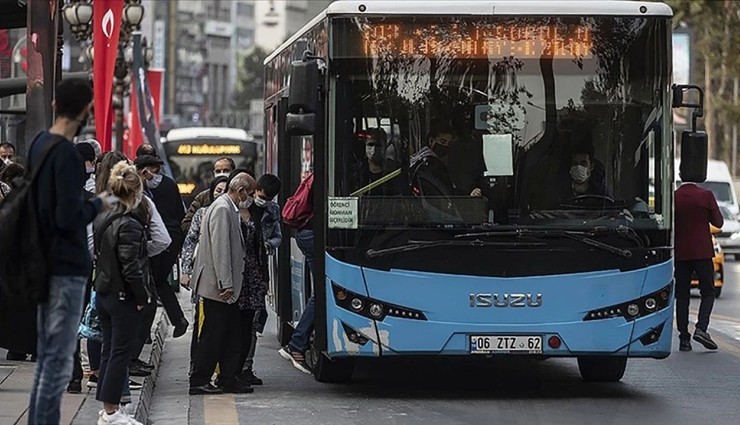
x=505, y=300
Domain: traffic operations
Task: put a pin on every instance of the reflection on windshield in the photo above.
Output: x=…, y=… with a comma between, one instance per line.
x=545, y=120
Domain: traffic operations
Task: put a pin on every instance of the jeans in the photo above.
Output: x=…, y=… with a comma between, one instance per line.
x=302, y=333
x=120, y=321
x=57, y=324
x=704, y=270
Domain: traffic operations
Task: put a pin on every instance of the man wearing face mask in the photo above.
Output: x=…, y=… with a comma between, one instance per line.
x=7, y=153
x=375, y=165
x=222, y=167
x=583, y=178
x=166, y=196
x=87, y=153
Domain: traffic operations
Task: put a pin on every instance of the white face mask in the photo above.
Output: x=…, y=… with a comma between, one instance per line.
x=154, y=182
x=8, y=161
x=579, y=173
x=90, y=170
x=217, y=175
x=260, y=202
x=245, y=204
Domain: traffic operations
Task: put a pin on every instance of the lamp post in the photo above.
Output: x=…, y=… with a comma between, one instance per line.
x=79, y=14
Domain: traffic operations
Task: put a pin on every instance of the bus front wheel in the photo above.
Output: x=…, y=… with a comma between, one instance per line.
x=602, y=369
x=333, y=370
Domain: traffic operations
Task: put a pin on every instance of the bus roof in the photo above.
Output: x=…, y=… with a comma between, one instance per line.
x=482, y=7
x=194, y=133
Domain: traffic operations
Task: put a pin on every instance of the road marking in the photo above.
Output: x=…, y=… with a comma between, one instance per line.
x=220, y=409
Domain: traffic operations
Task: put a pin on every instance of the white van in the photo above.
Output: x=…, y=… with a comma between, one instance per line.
x=719, y=181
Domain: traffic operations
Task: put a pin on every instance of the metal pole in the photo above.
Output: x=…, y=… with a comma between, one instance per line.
x=118, y=106
x=734, y=129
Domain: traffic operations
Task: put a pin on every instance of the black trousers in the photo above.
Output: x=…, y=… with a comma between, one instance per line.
x=120, y=322
x=247, y=318
x=704, y=270
x=219, y=342
x=161, y=266
x=144, y=330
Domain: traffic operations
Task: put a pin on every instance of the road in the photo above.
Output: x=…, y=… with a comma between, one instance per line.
x=699, y=387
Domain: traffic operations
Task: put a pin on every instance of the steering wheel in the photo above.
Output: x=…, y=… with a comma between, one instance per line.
x=590, y=199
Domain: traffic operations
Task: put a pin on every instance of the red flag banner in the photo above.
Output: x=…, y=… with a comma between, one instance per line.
x=107, y=16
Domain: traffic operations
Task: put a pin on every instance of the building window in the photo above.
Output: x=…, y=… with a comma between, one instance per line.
x=245, y=10
x=245, y=38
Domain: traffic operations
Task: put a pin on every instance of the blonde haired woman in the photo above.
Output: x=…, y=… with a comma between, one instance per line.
x=122, y=287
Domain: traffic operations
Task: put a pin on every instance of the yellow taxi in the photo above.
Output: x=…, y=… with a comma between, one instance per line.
x=719, y=267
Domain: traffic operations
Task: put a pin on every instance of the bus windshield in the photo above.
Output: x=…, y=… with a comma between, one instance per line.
x=192, y=159
x=519, y=121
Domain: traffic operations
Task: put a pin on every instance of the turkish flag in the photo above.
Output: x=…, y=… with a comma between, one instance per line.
x=107, y=16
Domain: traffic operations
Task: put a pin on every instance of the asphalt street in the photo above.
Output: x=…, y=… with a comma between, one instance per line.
x=699, y=387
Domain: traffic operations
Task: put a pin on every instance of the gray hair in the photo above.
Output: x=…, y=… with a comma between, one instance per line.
x=240, y=181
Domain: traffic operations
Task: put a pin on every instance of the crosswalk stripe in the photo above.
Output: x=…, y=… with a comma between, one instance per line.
x=220, y=409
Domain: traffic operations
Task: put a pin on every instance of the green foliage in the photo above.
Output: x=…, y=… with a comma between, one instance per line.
x=250, y=82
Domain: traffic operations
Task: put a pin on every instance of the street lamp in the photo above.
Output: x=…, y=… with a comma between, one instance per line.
x=79, y=14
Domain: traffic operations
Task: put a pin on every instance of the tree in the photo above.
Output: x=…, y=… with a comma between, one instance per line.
x=251, y=78
x=715, y=26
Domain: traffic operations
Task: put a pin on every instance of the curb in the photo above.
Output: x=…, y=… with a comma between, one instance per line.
x=144, y=401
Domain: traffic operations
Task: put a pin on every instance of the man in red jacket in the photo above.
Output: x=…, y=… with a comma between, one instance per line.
x=696, y=209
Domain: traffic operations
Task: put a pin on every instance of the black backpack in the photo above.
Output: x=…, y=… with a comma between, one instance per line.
x=23, y=269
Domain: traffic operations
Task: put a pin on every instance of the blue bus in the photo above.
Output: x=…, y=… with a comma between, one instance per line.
x=482, y=177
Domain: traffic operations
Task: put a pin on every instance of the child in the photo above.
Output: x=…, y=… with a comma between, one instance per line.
x=268, y=186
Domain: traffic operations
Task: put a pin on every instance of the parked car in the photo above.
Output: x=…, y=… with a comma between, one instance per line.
x=729, y=236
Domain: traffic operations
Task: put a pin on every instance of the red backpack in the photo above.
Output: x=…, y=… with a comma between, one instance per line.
x=298, y=210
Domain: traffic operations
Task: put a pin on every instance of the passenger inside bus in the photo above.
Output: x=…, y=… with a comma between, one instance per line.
x=374, y=167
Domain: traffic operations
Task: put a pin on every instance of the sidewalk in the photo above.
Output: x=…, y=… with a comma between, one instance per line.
x=16, y=380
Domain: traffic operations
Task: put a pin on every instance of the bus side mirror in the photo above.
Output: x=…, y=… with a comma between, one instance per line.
x=694, y=156
x=694, y=145
x=303, y=98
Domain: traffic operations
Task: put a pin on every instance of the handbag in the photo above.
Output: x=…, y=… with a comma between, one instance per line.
x=90, y=327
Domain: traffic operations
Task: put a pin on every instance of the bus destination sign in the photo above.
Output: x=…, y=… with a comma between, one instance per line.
x=477, y=41
x=208, y=149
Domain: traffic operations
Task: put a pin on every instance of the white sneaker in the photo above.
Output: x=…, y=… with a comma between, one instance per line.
x=130, y=418
x=117, y=418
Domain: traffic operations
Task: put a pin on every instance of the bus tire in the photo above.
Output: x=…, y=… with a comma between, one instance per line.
x=333, y=370
x=284, y=332
x=602, y=369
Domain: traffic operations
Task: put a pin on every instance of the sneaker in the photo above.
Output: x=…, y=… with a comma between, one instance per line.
x=138, y=371
x=130, y=418
x=75, y=386
x=142, y=364
x=295, y=357
x=238, y=387
x=133, y=385
x=249, y=377
x=13, y=356
x=92, y=381
x=684, y=345
x=180, y=328
x=703, y=338
x=116, y=418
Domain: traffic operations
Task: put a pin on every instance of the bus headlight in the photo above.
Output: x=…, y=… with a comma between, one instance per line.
x=634, y=309
x=372, y=308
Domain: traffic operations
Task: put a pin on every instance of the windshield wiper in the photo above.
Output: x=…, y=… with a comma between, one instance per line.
x=580, y=236
x=415, y=245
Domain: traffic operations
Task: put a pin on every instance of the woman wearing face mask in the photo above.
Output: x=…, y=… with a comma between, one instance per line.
x=121, y=284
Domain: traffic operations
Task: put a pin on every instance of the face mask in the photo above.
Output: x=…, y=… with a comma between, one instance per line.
x=243, y=205
x=579, y=173
x=373, y=153
x=217, y=175
x=8, y=161
x=83, y=124
x=90, y=170
x=260, y=202
x=154, y=182
x=440, y=150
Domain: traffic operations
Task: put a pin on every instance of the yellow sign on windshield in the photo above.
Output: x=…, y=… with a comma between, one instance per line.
x=205, y=149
